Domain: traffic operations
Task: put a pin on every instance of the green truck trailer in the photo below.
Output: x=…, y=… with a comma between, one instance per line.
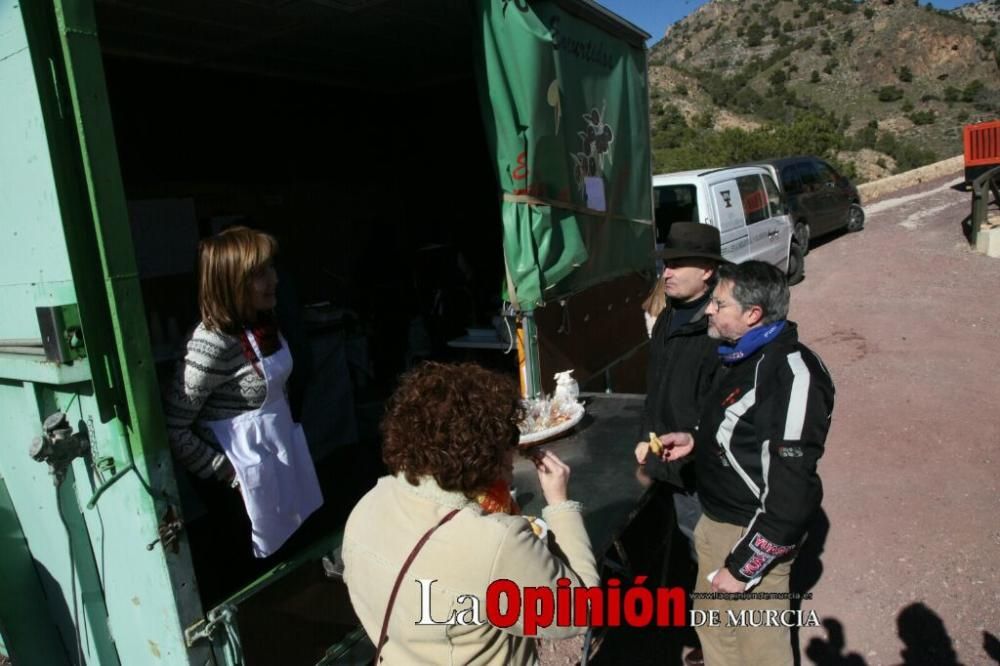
x=353, y=129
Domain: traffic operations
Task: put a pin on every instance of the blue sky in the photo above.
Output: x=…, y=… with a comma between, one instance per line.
x=654, y=16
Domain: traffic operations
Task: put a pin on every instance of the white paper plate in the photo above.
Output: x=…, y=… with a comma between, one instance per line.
x=549, y=433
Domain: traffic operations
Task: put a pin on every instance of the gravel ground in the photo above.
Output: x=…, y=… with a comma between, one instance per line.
x=903, y=561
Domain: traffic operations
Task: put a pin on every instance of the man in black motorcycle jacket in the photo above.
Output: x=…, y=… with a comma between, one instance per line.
x=756, y=449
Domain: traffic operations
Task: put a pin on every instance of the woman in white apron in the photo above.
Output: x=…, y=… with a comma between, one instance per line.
x=227, y=412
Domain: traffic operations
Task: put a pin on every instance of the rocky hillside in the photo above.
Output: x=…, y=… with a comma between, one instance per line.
x=894, y=80
x=980, y=12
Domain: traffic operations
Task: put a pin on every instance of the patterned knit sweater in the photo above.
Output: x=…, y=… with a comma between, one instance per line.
x=214, y=381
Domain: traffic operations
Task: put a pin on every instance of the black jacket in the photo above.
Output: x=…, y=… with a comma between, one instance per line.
x=682, y=368
x=757, y=445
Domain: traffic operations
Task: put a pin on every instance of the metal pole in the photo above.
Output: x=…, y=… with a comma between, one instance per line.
x=532, y=370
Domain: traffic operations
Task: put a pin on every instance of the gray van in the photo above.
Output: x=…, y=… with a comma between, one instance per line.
x=743, y=203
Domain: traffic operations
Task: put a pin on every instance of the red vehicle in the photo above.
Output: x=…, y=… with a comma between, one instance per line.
x=982, y=148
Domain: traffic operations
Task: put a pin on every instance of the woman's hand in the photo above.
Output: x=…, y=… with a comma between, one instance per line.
x=553, y=477
x=223, y=470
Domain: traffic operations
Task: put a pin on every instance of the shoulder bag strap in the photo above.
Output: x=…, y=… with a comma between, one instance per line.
x=399, y=580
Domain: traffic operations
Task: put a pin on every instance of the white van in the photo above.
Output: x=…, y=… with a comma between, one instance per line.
x=743, y=203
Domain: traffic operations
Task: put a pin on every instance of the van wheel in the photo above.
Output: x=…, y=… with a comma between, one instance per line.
x=802, y=234
x=855, y=218
x=796, y=264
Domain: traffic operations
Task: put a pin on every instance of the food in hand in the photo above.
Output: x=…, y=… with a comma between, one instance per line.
x=655, y=445
x=538, y=526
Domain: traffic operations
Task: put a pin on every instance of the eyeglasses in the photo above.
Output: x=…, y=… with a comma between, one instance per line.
x=719, y=304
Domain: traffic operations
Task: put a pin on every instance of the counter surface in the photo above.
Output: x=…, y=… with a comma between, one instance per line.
x=605, y=476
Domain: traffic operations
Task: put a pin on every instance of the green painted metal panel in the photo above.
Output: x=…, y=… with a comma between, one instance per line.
x=32, y=248
x=53, y=528
x=29, y=626
x=127, y=603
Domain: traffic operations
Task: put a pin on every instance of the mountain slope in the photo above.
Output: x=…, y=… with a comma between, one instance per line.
x=906, y=75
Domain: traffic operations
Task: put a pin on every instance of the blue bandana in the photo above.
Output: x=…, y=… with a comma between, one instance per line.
x=753, y=340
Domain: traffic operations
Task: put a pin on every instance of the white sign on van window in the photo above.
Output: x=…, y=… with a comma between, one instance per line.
x=728, y=206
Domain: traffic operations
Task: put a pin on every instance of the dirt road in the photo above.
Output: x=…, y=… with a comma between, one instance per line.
x=908, y=320
x=904, y=563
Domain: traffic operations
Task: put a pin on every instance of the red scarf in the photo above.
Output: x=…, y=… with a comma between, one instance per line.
x=265, y=332
x=497, y=499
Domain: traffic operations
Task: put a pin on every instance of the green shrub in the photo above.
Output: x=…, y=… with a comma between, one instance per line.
x=670, y=129
x=778, y=77
x=907, y=155
x=889, y=94
x=849, y=36
x=814, y=77
x=826, y=47
x=815, y=18
x=971, y=91
x=869, y=12
x=681, y=89
x=904, y=74
x=907, y=106
x=788, y=26
x=807, y=133
x=704, y=120
x=863, y=138
x=951, y=94
x=922, y=117
x=755, y=34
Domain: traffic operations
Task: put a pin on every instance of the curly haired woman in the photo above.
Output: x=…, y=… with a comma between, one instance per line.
x=450, y=432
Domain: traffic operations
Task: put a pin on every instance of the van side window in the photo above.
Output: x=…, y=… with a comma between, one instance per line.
x=827, y=176
x=809, y=177
x=674, y=203
x=790, y=179
x=774, y=202
x=753, y=197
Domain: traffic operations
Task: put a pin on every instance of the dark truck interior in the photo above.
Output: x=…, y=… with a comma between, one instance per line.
x=351, y=131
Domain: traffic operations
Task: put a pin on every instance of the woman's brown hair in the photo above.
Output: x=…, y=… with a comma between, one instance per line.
x=656, y=301
x=227, y=263
x=454, y=422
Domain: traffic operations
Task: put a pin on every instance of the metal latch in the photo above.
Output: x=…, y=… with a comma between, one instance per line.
x=169, y=529
x=62, y=335
x=223, y=616
x=59, y=445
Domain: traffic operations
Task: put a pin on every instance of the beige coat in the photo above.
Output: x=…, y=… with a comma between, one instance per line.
x=464, y=556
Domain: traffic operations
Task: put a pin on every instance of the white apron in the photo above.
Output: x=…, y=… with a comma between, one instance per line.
x=268, y=450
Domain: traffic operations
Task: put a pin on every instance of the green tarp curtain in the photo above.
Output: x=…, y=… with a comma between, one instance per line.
x=565, y=108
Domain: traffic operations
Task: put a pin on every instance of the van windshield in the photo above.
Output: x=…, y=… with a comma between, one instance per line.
x=674, y=203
